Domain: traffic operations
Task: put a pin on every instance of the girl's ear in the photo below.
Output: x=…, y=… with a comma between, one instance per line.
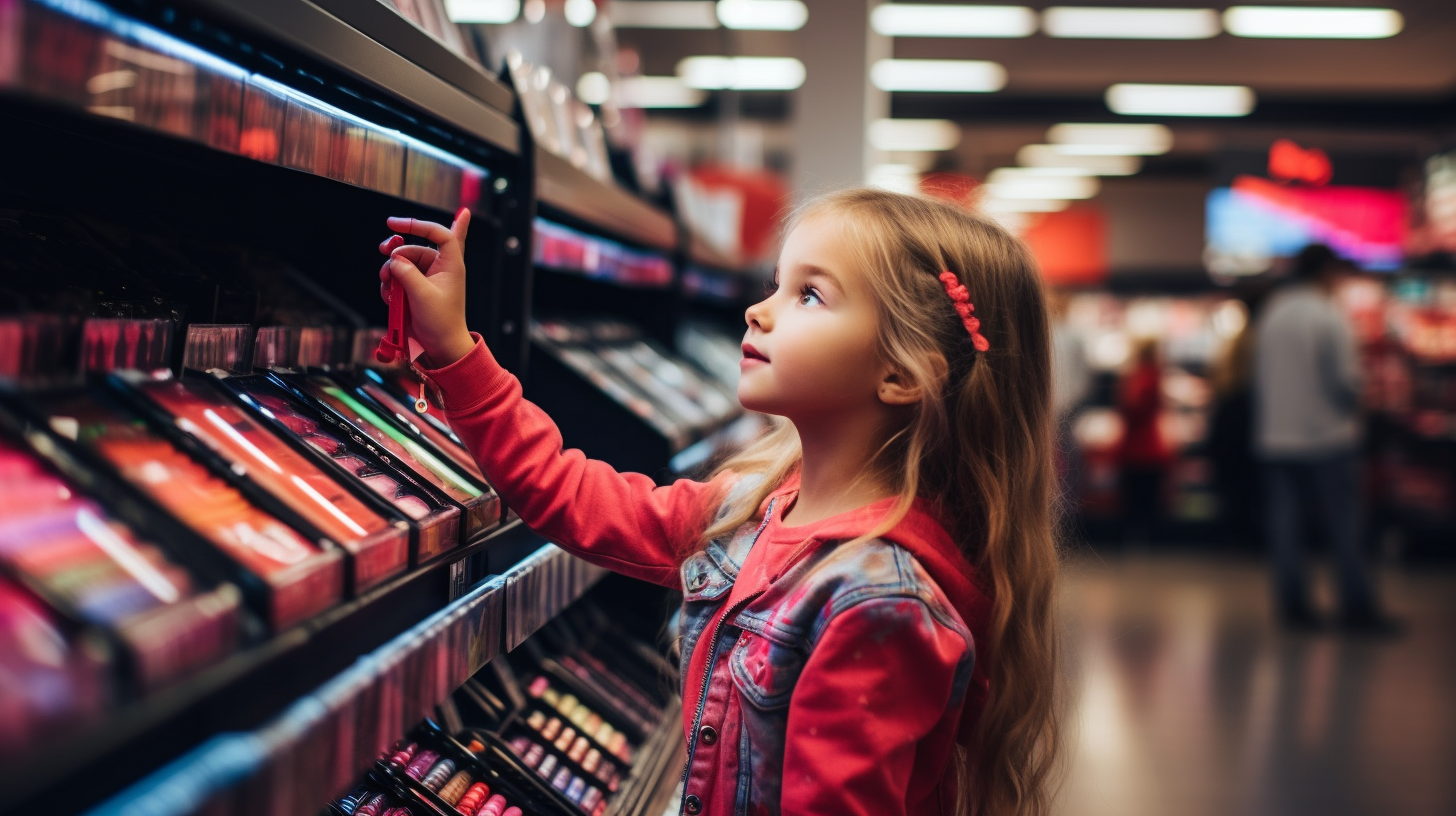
x=900, y=387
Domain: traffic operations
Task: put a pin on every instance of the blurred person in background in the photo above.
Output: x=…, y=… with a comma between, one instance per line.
x=1071, y=385
x=1236, y=475
x=1307, y=434
x=1142, y=454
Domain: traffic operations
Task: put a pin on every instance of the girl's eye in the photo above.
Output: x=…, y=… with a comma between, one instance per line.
x=809, y=297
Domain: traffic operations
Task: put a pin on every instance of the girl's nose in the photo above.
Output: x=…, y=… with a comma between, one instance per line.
x=757, y=316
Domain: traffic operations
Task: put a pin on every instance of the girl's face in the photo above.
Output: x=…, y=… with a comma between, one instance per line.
x=809, y=351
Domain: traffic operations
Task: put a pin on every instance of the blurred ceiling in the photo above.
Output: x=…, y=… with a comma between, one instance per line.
x=1405, y=81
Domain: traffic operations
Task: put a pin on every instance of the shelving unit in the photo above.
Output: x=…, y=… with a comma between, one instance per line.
x=230, y=162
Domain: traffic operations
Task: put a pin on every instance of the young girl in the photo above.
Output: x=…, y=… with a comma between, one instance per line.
x=867, y=614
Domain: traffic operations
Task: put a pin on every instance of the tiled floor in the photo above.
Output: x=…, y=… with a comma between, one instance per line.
x=1187, y=701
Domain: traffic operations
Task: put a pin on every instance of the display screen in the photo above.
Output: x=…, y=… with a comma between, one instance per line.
x=304, y=578
x=202, y=410
x=101, y=570
x=1257, y=220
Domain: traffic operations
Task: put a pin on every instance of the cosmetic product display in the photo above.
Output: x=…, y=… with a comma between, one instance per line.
x=479, y=504
x=377, y=547
x=384, y=400
x=297, y=576
x=53, y=674
x=433, y=518
x=96, y=567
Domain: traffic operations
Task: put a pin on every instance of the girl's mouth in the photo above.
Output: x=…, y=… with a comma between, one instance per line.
x=751, y=353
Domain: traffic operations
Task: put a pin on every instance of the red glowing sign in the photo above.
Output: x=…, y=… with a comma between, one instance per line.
x=1290, y=162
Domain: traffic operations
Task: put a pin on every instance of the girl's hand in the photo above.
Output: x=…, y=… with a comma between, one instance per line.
x=434, y=282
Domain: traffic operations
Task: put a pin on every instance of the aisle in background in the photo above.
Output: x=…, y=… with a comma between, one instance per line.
x=1188, y=700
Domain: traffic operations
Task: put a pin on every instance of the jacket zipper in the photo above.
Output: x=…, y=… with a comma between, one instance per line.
x=713, y=658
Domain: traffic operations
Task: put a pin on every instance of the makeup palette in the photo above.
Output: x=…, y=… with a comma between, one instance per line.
x=378, y=548
x=354, y=458
x=478, y=502
x=296, y=577
x=51, y=675
x=99, y=570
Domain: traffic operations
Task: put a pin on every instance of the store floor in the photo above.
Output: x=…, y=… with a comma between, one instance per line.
x=1188, y=701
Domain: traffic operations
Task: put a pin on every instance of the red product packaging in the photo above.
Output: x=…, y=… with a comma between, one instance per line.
x=377, y=547
x=105, y=574
x=298, y=577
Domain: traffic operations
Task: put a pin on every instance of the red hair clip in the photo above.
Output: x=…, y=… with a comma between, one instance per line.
x=961, y=298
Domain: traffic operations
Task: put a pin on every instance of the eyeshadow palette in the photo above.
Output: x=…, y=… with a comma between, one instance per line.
x=50, y=675
x=102, y=572
x=354, y=459
x=378, y=548
x=478, y=502
x=298, y=577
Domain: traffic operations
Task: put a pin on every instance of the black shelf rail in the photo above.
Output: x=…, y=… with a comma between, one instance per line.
x=563, y=188
x=242, y=692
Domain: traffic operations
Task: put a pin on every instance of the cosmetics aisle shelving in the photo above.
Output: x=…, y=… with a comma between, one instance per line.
x=266, y=584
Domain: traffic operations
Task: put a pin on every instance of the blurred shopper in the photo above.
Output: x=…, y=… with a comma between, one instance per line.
x=1307, y=433
x=1071, y=384
x=1142, y=455
x=1236, y=472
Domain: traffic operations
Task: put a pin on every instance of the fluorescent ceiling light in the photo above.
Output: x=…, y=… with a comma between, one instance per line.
x=580, y=13
x=1180, y=100
x=483, y=11
x=763, y=15
x=1130, y=23
x=742, y=73
x=946, y=76
x=993, y=206
x=593, y=88
x=1075, y=187
x=914, y=135
x=1111, y=140
x=659, y=92
x=1051, y=157
x=687, y=14
x=910, y=20
x=1002, y=175
x=900, y=178
x=1313, y=23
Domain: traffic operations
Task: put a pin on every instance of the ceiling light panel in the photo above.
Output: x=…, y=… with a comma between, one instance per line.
x=1132, y=99
x=763, y=15
x=943, y=76
x=483, y=11
x=1306, y=22
x=1045, y=156
x=914, y=135
x=659, y=92
x=742, y=73
x=1130, y=23
x=916, y=20
x=1075, y=139
x=678, y=14
x=1064, y=189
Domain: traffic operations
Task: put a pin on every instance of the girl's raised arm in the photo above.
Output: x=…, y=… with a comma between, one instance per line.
x=621, y=521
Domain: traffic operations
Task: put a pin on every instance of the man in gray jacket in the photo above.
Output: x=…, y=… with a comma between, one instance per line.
x=1307, y=433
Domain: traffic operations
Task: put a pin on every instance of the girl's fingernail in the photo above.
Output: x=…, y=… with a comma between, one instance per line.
x=460, y=212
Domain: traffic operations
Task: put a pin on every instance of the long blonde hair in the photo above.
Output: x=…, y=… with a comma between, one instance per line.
x=980, y=455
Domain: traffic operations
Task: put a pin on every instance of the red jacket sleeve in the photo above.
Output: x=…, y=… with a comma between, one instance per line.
x=621, y=521
x=880, y=679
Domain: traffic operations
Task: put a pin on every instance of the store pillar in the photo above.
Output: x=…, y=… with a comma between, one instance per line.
x=833, y=108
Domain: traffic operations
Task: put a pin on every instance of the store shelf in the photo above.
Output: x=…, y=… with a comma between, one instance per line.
x=240, y=693
x=406, y=39
x=563, y=188
x=540, y=587
x=309, y=29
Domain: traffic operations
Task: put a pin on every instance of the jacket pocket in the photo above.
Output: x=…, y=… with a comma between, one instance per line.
x=765, y=671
